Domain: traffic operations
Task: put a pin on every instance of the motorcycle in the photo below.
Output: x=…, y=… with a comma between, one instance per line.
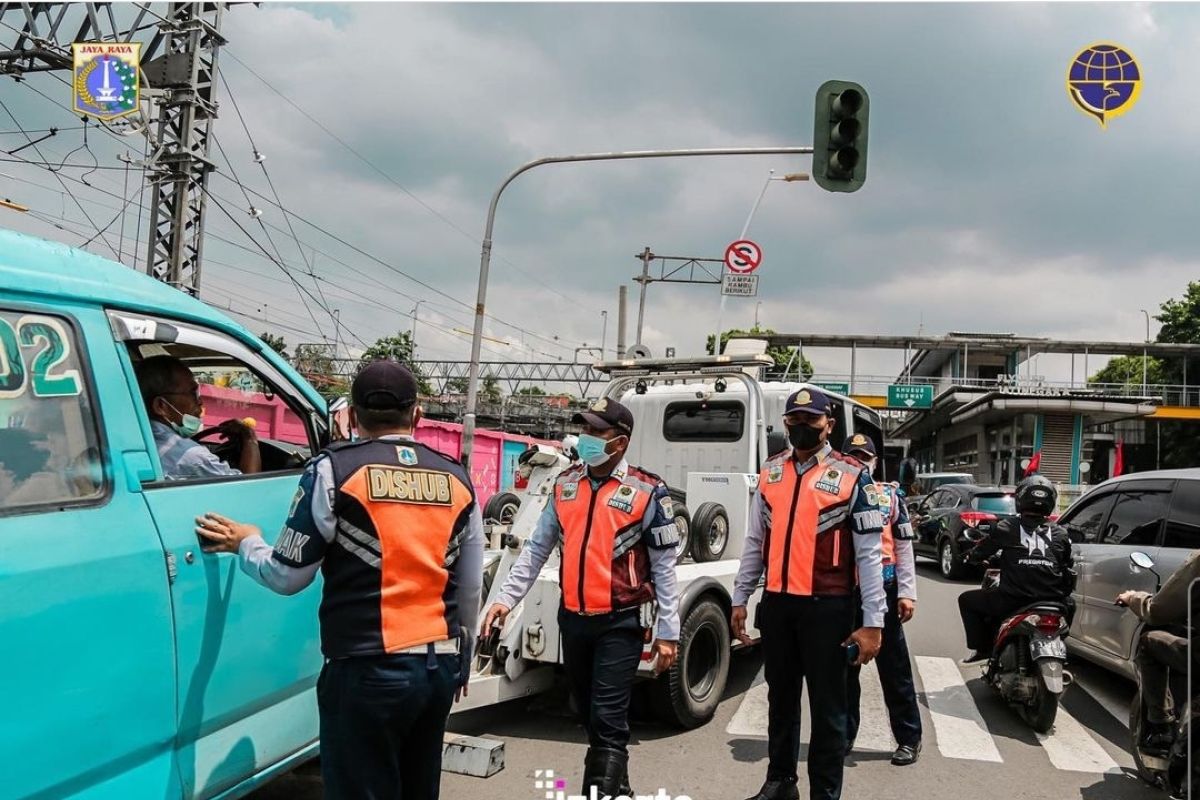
x=1028, y=659
x=1168, y=770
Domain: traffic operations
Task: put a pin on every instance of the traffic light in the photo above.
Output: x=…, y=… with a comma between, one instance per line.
x=840, y=136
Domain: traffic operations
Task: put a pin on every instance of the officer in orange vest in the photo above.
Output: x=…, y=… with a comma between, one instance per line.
x=613, y=526
x=900, y=584
x=813, y=522
x=394, y=528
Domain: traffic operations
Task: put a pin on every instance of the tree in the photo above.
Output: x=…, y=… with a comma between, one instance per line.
x=315, y=362
x=457, y=386
x=1127, y=371
x=531, y=391
x=276, y=343
x=781, y=355
x=397, y=348
x=490, y=390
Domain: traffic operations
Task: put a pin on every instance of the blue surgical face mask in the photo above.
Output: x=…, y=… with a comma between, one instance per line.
x=189, y=424
x=592, y=450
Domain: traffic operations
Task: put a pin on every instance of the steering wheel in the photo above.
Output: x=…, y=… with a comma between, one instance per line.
x=228, y=451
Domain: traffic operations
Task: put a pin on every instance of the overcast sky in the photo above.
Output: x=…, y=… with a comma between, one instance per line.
x=991, y=203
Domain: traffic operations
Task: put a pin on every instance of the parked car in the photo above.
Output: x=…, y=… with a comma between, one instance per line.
x=951, y=520
x=1157, y=513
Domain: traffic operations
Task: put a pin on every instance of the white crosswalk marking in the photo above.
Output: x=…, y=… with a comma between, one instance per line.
x=751, y=716
x=1072, y=748
x=958, y=725
x=956, y=719
x=874, y=729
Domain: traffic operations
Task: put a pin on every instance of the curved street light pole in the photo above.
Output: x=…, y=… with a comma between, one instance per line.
x=485, y=256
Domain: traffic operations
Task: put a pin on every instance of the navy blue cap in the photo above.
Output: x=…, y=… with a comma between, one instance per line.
x=807, y=401
x=384, y=386
x=859, y=443
x=606, y=413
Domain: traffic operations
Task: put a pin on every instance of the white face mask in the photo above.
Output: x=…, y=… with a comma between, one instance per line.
x=871, y=464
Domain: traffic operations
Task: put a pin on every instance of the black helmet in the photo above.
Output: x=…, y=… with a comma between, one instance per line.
x=1036, y=496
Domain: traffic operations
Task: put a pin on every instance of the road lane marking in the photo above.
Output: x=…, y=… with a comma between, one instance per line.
x=1073, y=749
x=751, y=716
x=874, y=727
x=957, y=722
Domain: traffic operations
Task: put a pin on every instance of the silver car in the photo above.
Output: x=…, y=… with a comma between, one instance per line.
x=1157, y=513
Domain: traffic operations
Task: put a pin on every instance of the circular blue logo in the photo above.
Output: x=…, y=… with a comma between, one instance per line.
x=1104, y=81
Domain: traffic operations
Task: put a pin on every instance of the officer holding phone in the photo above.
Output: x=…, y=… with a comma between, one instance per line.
x=813, y=522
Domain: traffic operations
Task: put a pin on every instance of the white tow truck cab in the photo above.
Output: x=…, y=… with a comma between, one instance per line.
x=705, y=425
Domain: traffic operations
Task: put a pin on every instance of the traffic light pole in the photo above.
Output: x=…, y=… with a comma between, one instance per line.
x=485, y=257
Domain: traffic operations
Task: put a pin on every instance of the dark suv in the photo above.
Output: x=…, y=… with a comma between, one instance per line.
x=1157, y=513
x=951, y=520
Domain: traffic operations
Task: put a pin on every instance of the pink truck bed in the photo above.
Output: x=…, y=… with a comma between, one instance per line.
x=493, y=464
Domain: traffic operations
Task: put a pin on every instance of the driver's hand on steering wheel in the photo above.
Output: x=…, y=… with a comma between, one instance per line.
x=236, y=430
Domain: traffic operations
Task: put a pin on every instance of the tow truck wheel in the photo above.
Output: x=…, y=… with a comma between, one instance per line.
x=710, y=532
x=687, y=694
x=683, y=522
x=501, y=509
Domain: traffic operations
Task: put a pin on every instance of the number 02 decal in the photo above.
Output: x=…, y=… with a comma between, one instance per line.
x=37, y=347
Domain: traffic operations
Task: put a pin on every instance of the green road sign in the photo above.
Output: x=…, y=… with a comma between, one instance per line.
x=837, y=388
x=910, y=396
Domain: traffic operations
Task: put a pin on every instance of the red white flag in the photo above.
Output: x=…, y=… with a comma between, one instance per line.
x=1034, y=463
x=1119, y=460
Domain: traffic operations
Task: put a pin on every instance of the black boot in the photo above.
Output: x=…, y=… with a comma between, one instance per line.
x=777, y=789
x=605, y=768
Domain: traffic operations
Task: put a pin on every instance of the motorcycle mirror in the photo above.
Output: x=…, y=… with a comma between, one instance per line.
x=1142, y=560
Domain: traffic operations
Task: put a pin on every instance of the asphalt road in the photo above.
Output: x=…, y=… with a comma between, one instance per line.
x=974, y=747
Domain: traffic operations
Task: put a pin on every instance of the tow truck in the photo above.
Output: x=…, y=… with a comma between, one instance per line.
x=674, y=402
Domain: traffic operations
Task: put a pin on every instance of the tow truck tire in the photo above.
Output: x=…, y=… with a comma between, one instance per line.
x=501, y=509
x=687, y=694
x=710, y=532
x=683, y=521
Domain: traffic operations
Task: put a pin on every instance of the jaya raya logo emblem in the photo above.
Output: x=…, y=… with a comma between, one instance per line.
x=1104, y=81
x=106, y=84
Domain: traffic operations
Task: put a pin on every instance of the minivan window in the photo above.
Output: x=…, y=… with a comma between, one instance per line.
x=1136, y=518
x=49, y=444
x=704, y=421
x=1183, y=525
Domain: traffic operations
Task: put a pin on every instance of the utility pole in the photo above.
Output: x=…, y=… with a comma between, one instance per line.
x=603, y=333
x=622, y=292
x=412, y=337
x=179, y=68
x=645, y=256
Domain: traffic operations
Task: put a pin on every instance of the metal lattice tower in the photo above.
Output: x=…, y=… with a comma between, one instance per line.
x=179, y=67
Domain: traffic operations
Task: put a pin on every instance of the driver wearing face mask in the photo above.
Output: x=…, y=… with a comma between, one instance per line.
x=172, y=399
x=613, y=525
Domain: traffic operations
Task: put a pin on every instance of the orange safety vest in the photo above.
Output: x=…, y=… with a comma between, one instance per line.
x=605, y=563
x=401, y=510
x=808, y=549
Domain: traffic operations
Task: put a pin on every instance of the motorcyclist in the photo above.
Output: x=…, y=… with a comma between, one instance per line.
x=1161, y=651
x=1035, y=564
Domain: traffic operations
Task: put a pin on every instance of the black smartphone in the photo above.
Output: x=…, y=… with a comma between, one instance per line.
x=852, y=652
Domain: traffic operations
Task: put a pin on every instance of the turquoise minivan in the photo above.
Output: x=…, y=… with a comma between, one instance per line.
x=134, y=665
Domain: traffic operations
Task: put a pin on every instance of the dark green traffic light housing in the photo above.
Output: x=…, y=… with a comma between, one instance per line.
x=840, y=136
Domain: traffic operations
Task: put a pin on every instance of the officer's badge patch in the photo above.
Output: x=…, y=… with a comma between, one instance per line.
x=622, y=499
x=872, y=494
x=803, y=398
x=859, y=440
x=570, y=490
x=830, y=482
x=601, y=405
x=668, y=505
x=296, y=502
x=407, y=455
x=775, y=474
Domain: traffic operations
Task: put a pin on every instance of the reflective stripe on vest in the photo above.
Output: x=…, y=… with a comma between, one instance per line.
x=413, y=512
x=601, y=529
x=809, y=530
